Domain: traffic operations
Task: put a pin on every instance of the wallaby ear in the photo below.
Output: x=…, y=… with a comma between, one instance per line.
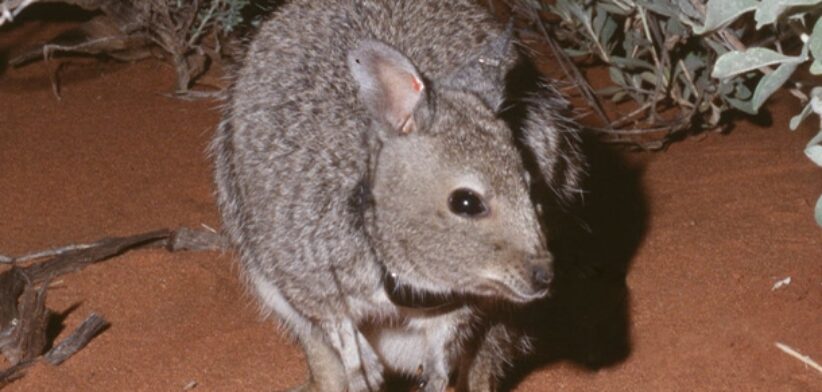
x=484, y=74
x=389, y=85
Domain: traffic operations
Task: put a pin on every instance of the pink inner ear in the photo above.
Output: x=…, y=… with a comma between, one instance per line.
x=416, y=84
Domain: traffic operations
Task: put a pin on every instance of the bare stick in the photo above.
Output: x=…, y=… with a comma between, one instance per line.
x=14, y=372
x=796, y=354
x=178, y=240
x=78, y=339
x=76, y=260
x=569, y=68
x=46, y=253
x=195, y=239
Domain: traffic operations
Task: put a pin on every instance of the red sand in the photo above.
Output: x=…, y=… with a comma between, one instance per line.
x=704, y=230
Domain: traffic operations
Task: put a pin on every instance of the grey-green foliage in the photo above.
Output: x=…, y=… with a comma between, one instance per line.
x=700, y=58
x=798, y=15
x=222, y=15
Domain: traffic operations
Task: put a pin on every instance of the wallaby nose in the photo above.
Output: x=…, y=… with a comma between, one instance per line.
x=541, y=277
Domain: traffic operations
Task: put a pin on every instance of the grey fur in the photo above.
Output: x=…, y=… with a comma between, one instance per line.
x=333, y=180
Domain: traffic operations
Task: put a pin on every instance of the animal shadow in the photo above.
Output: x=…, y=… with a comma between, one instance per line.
x=586, y=320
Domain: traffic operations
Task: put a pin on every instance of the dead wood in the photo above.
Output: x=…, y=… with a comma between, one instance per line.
x=75, y=260
x=195, y=239
x=23, y=287
x=98, y=36
x=93, y=325
x=28, y=336
x=13, y=372
x=77, y=340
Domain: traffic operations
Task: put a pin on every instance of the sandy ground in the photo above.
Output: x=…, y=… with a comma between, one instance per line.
x=675, y=293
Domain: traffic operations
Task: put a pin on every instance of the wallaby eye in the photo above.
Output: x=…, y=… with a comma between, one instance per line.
x=467, y=203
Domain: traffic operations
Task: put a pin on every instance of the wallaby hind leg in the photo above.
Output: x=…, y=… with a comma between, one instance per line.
x=358, y=370
x=327, y=374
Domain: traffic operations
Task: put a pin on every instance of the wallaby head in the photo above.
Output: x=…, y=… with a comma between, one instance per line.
x=451, y=207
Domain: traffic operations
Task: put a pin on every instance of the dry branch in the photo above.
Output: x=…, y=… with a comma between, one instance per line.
x=75, y=260
x=78, y=339
x=23, y=312
x=57, y=355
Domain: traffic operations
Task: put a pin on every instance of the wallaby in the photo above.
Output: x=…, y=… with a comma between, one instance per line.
x=375, y=194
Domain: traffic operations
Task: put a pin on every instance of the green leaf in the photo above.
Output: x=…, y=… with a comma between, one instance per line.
x=608, y=91
x=736, y=62
x=581, y=14
x=815, y=41
x=744, y=106
x=650, y=78
x=631, y=63
x=818, y=213
x=816, y=98
x=814, y=148
x=599, y=21
x=815, y=154
x=619, y=96
x=796, y=120
x=694, y=62
x=616, y=9
x=660, y=7
x=687, y=8
x=722, y=12
x=717, y=47
x=576, y=52
x=673, y=27
x=726, y=87
x=608, y=30
x=768, y=11
x=616, y=76
x=742, y=91
x=771, y=82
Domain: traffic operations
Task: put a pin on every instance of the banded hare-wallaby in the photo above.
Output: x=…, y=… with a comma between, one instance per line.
x=375, y=195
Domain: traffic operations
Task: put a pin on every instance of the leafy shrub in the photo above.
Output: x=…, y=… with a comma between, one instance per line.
x=700, y=60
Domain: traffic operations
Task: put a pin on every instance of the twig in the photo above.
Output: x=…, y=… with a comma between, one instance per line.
x=181, y=239
x=195, y=239
x=796, y=354
x=46, y=253
x=568, y=67
x=78, y=339
x=205, y=20
x=582, y=84
x=76, y=260
x=625, y=119
x=14, y=372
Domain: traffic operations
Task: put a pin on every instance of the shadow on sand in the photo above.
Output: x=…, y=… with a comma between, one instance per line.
x=587, y=321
